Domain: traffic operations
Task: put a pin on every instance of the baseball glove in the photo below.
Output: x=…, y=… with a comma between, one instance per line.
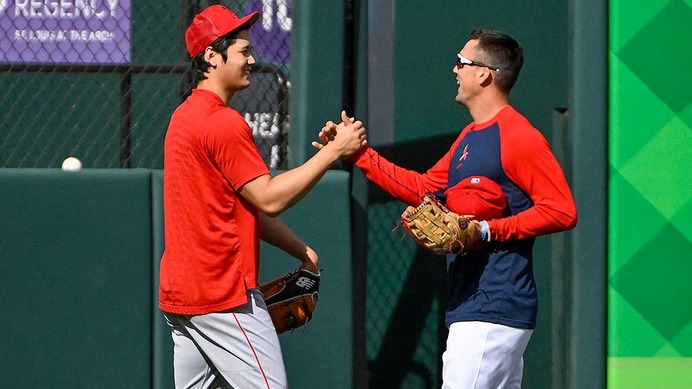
x=292, y=298
x=440, y=230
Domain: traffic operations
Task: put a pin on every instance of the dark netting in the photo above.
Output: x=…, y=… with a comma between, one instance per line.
x=99, y=79
x=404, y=325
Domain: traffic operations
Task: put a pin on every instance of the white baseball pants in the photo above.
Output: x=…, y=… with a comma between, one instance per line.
x=483, y=355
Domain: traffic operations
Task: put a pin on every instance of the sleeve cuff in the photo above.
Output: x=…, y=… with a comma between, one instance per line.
x=485, y=231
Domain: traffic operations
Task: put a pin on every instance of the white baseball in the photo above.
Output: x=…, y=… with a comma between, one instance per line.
x=71, y=164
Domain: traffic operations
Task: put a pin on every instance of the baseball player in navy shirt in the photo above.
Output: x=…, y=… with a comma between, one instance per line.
x=500, y=157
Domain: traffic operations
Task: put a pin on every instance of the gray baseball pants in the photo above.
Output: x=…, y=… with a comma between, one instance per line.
x=233, y=349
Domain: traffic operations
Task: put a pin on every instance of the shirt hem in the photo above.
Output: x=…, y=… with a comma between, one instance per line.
x=492, y=319
x=186, y=310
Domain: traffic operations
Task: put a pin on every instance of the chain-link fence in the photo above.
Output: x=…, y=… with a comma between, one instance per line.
x=99, y=79
x=405, y=305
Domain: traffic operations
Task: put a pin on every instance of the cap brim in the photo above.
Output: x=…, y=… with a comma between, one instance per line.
x=483, y=199
x=248, y=21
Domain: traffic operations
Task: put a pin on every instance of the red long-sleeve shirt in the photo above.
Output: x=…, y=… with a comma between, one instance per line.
x=494, y=283
x=525, y=159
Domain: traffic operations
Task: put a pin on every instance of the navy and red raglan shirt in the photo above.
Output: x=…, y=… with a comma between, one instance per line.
x=494, y=283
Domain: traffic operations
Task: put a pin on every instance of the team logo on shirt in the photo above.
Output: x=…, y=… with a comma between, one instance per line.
x=463, y=156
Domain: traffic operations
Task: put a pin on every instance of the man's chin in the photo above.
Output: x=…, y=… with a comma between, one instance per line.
x=243, y=85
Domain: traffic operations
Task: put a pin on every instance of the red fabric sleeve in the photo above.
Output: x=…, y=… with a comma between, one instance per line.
x=528, y=162
x=229, y=139
x=404, y=185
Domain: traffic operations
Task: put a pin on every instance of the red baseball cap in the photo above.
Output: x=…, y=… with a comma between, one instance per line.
x=211, y=24
x=478, y=196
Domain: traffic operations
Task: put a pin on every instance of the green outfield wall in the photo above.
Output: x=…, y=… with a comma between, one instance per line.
x=650, y=205
x=75, y=278
x=79, y=256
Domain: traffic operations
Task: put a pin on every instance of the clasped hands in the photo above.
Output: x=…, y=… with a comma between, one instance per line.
x=348, y=136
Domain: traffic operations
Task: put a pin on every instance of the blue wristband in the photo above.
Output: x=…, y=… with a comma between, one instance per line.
x=485, y=231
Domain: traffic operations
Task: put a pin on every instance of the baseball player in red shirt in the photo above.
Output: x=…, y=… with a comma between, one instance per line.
x=501, y=169
x=219, y=201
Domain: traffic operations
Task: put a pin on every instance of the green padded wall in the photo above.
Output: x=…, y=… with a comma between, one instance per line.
x=650, y=207
x=79, y=271
x=162, y=343
x=324, y=347
x=75, y=278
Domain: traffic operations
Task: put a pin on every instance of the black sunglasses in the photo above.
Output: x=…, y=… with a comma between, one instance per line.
x=461, y=60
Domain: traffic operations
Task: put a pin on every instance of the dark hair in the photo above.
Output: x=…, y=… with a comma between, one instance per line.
x=198, y=66
x=501, y=50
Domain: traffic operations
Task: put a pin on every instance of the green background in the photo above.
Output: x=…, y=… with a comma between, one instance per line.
x=650, y=204
x=80, y=254
x=649, y=316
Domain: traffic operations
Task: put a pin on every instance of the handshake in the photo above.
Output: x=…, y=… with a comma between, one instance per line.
x=345, y=138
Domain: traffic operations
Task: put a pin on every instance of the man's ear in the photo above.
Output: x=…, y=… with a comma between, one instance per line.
x=485, y=77
x=210, y=56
